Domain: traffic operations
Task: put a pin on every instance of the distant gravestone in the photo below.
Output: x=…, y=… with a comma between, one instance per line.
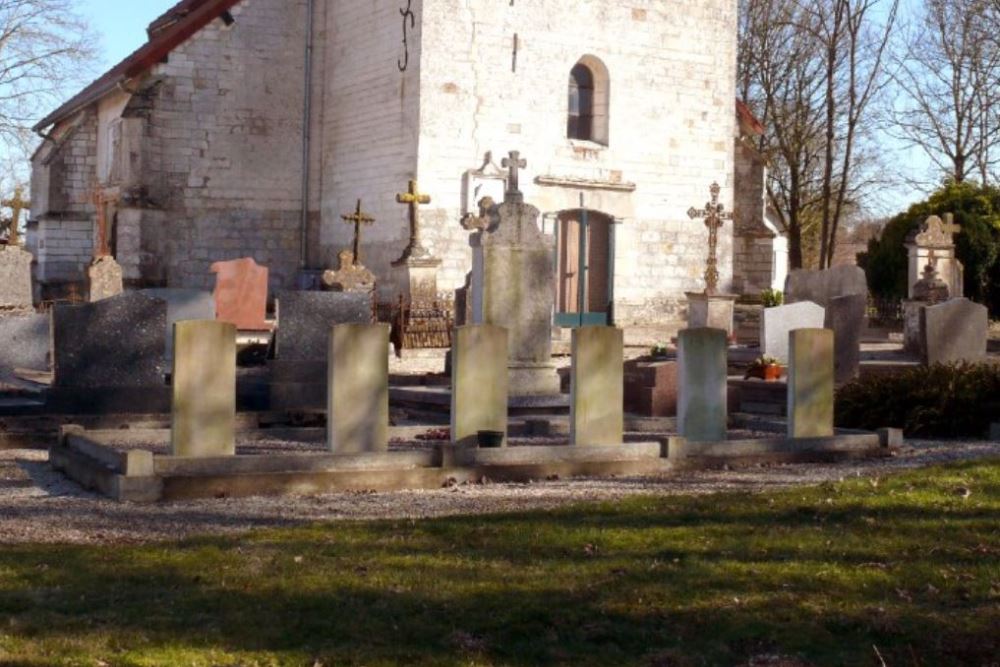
x=104, y=275
x=305, y=320
x=358, y=394
x=822, y=286
x=183, y=305
x=24, y=342
x=776, y=323
x=117, y=342
x=810, y=384
x=15, y=280
x=241, y=294
x=478, y=382
x=203, y=422
x=846, y=316
x=955, y=331
x=597, y=414
x=702, y=394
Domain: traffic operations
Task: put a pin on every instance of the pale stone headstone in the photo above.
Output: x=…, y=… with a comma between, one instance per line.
x=478, y=382
x=203, y=422
x=846, y=317
x=15, y=280
x=513, y=274
x=104, y=275
x=702, y=367
x=597, y=414
x=810, y=384
x=358, y=394
x=241, y=294
x=776, y=323
x=822, y=286
x=183, y=304
x=955, y=331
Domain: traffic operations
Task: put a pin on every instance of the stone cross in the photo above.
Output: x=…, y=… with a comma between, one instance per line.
x=949, y=226
x=357, y=219
x=413, y=198
x=715, y=216
x=514, y=164
x=17, y=204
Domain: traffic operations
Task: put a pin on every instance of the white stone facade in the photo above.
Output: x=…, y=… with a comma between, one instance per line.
x=217, y=172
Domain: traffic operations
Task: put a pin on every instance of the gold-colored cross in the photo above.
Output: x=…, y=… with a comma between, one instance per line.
x=715, y=216
x=16, y=204
x=414, y=199
x=357, y=219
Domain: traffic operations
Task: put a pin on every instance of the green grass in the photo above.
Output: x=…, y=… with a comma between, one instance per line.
x=822, y=574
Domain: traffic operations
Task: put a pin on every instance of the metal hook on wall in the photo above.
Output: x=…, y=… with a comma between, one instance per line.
x=406, y=14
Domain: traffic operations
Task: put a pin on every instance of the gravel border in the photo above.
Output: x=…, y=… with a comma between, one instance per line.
x=38, y=505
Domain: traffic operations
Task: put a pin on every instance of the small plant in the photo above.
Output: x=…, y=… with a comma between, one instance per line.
x=772, y=298
x=659, y=351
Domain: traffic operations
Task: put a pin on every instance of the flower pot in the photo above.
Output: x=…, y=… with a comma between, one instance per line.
x=491, y=439
x=772, y=373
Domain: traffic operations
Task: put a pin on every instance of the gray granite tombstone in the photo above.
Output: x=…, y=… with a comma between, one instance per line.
x=183, y=305
x=24, y=342
x=776, y=323
x=15, y=280
x=846, y=316
x=822, y=286
x=109, y=355
x=298, y=372
x=955, y=331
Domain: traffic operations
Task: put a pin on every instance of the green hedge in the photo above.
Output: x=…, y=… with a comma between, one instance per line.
x=957, y=400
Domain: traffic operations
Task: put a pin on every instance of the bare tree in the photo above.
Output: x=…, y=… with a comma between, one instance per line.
x=45, y=46
x=948, y=70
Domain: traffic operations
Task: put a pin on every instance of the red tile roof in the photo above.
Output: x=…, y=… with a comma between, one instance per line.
x=168, y=32
x=748, y=122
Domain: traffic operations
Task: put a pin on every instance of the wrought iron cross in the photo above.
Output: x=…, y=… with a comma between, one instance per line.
x=16, y=204
x=357, y=219
x=715, y=216
x=514, y=164
x=413, y=198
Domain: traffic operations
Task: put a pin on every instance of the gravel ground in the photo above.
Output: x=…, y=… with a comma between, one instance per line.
x=40, y=506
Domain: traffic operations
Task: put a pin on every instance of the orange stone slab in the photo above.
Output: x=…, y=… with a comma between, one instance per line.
x=241, y=294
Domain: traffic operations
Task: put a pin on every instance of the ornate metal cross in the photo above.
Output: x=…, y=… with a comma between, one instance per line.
x=715, y=216
x=413, y=198
x=16, y=204
x=514, y=164
x=357, y=219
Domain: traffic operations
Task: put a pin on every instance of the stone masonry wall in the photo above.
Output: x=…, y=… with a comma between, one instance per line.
x=224, y=147
x=672, y=89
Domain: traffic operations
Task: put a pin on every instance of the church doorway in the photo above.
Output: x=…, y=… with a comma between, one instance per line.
x=585, y=269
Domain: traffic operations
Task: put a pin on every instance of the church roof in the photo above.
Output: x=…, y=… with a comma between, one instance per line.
x=749, y=124
x=166, y=33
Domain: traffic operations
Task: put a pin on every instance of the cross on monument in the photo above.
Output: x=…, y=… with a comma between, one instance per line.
x=357, y=219
x=513, y=165
x=949, y=226
x=715, y=216
x=414, y=199
x=16, y=204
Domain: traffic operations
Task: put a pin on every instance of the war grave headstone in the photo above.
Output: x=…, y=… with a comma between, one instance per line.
x=597, y=415
x=105, y=278
x=479, y=382
x=241, y=294
x=298, y=371
x=702, y=396
x=776, y=323
x=358, y=393
x=955, y=331
x=512, y=283
x=822, y=286
x=109, y=356
x=183, y=304
x=810, y=383
x=203, y=422
x=846, y=316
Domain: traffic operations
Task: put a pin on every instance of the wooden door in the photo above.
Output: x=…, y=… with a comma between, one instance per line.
x=583, y=290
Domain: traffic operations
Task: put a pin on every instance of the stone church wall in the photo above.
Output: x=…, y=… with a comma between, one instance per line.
x=224, y=147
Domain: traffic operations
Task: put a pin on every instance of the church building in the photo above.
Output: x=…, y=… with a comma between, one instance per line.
x=247, y=128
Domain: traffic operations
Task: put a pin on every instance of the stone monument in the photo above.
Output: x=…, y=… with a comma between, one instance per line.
x=15, y=281
x=416, y=269
x=104, y=275
x=203, y=415
x=241, y=294
x=711, y=308
x=934, y=243
x=776, y=323
x=955, y=331
x=928, y=291
x=351, y=275
x=822, y=286
x=513, y=274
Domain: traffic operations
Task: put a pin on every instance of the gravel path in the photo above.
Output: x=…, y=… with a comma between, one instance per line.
x=39, y=506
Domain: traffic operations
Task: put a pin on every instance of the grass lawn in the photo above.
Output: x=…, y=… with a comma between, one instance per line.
x=824, y=574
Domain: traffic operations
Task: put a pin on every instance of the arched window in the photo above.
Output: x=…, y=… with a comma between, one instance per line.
x=588, y=101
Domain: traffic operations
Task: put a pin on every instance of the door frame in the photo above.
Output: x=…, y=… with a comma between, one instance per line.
x=583, y=317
